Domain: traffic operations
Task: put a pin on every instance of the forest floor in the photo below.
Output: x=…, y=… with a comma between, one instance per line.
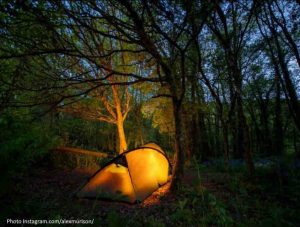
x=215, y=198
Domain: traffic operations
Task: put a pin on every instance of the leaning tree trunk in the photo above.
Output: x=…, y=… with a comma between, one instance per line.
x=293, y=99
x=291, y=91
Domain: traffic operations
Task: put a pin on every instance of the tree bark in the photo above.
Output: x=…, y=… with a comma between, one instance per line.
x=278, y=117
x=122, y=138
x=179, y=146
x=290, y=88
x=119, y=121
x=225, y=142
x=245, y=136
x=295, y=105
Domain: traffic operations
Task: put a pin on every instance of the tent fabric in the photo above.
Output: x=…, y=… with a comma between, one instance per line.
x=132, y=176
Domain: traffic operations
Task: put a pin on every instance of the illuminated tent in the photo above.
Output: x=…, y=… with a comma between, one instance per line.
x=132, y=176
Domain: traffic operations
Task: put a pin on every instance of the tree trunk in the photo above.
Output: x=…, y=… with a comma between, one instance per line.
x=293, y=99
x=203, y=138
x=291, y=91
x=225, y=143
x=179, y=146
x=244, y=142
x=245, y=137
x=119, y=121
x=194, y=128
x=278, y=118
x=122, y=138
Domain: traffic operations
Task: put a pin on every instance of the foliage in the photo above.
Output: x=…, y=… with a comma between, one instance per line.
x=22, y=142
x=160, y=111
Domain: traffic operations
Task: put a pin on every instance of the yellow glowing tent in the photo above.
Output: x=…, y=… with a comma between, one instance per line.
x=132, y=176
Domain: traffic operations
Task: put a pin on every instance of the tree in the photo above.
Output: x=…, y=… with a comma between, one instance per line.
x=115, y=99
x=269, y=25
x=162, y=29
x=231, y=38
x=105, y=104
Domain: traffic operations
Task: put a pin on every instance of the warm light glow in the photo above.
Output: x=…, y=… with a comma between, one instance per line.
x=147, y=171
x=111, y=182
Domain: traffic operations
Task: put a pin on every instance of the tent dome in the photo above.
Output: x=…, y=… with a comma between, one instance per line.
x=132, y=176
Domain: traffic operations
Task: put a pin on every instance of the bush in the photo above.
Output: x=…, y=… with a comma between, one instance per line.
x=22, y=142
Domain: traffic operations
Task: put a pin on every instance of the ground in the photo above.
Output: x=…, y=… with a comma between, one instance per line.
x=51, y=191
x=206, y=199
x=58, y=186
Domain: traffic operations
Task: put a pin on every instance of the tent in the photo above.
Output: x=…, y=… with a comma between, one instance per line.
x=132, y=176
